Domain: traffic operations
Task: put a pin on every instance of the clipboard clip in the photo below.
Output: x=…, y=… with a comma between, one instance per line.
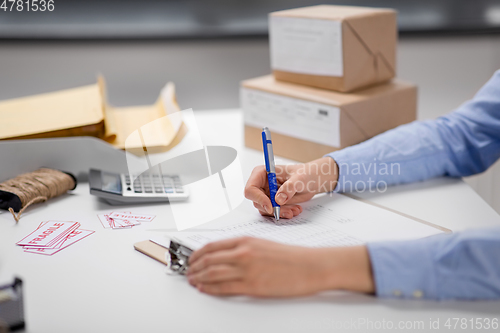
x=12, y=306
x=178, y=258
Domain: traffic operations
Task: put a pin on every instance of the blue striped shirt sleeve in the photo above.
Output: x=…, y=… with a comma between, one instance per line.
x=465, y=265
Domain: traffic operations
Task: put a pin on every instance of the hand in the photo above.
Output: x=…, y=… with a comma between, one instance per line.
x=257, y=267
x=298, y=183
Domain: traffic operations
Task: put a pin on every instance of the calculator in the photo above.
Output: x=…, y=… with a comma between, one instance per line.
x=150, y=186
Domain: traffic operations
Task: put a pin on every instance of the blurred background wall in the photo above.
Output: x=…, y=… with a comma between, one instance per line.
x=448, y=47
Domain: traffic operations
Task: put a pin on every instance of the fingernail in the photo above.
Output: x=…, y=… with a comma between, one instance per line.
x=269, y=210
x=281, y=198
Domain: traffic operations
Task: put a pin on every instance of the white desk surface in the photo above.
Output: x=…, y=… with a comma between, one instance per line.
x=101, y=284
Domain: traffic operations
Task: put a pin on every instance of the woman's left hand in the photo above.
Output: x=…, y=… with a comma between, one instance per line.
x=256, y=267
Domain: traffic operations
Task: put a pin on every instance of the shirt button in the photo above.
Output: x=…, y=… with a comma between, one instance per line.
x=397, y=293
x=418, y=294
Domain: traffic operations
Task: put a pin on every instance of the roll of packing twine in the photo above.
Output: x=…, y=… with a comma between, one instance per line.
x=19, y=193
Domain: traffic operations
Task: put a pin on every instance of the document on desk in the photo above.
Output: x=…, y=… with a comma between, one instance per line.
x=330, y=220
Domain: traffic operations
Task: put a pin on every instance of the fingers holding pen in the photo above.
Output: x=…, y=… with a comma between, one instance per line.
x=289, y=189
x=287, y=211
x=255, y=189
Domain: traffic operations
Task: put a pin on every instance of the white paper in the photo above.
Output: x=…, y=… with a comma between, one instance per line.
x=334, y=220
x=306, y=46
x=294, y=117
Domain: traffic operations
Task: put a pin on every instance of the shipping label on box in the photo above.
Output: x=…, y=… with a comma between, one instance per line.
x=306, y=46
x=308, y=123
x=302, y=119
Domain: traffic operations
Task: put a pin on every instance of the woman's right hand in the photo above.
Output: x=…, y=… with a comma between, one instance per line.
x=297, y=183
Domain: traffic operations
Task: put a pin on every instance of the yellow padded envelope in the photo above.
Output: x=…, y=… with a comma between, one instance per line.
x=84, y=111
x=76, y=111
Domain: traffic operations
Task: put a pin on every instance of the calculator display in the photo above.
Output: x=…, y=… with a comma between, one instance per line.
x=111, y=182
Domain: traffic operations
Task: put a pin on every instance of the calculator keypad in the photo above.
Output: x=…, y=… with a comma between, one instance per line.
x=154, y=184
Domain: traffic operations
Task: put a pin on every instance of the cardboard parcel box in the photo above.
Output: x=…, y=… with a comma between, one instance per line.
x=307, y=123
x=339, y=48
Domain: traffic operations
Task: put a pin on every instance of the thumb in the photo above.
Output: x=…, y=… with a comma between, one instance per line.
x=288, y=190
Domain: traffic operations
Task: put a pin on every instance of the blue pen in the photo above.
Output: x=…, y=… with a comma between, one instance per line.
x=271, y=170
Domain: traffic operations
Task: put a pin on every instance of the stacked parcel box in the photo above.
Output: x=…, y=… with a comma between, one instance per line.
x=332, y=84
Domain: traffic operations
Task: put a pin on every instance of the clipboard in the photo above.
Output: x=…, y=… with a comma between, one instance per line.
x=152, y=250
x=176, y=255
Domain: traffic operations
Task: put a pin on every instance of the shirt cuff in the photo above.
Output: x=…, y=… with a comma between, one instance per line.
x=404, y=269
x=337, y=156
x=347, y=160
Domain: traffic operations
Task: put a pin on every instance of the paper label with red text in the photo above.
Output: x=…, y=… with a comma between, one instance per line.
x=48, y=234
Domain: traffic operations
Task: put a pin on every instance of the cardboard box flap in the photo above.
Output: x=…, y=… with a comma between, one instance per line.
x=51, y=112
x=330, y=12
x=328, y=97
x=269, y=84
x=383, y=68
x=368, y=31
x=353, y=132
x=373, y=115
x=358, y=59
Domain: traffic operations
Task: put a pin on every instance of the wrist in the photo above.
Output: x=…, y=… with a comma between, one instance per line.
x=346, y=268
x=324, y=172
